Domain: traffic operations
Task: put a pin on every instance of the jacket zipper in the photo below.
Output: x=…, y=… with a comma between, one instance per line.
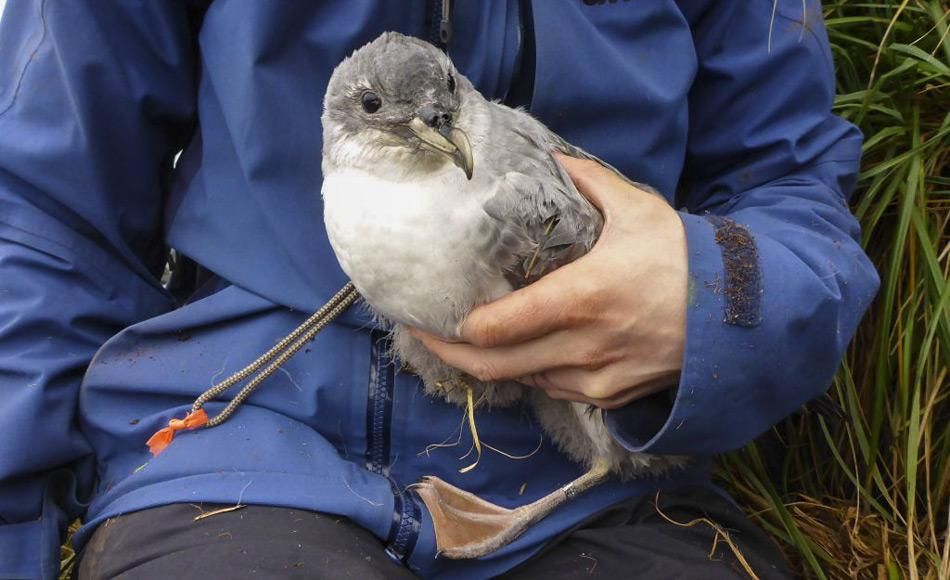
x=404, y=530
x=440, y=23
x=379, y=408
x=521, y=89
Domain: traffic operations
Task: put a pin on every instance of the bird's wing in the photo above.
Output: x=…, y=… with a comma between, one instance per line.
x=545, y=222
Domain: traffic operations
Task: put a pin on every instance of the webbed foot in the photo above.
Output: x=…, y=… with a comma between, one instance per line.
x=466, y=526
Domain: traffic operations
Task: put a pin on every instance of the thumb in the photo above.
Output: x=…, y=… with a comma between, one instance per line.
x=592, y=179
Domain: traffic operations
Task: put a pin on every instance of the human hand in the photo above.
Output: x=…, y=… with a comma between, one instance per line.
x=606, y=329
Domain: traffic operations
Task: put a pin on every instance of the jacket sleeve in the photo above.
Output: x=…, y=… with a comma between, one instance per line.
x=778, y=281
x=95, y=98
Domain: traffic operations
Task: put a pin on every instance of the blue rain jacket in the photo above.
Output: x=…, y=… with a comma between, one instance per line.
x=723, y=110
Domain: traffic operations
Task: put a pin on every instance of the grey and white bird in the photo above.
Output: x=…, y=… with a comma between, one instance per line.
x=436, y=201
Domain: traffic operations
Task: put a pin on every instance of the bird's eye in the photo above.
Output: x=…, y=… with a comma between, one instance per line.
x=371, y=102
x=451, y=83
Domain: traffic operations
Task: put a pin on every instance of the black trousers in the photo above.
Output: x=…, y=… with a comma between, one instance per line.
x=629, y=540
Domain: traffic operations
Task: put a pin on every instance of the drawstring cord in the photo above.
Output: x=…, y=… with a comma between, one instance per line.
x=276, y=356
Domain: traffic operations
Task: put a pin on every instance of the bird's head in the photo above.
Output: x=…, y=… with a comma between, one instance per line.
x=397, y=100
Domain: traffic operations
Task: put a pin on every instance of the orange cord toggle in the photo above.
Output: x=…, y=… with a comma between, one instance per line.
x=163, y=437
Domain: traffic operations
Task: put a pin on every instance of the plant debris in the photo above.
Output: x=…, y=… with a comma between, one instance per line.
x=743, y=284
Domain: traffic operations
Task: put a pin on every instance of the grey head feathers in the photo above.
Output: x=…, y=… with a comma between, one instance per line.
x=375, y=94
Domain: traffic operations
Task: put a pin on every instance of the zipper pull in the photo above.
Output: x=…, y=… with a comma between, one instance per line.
x=445, y=25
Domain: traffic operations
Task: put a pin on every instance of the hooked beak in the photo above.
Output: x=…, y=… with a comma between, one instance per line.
x=450, y=141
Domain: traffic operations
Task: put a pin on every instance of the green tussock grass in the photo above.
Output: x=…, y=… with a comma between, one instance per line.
x=864, y=492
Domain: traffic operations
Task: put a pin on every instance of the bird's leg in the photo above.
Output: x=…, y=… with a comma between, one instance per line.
x=467, y=526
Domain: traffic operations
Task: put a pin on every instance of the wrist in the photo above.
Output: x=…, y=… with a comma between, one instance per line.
x=672, y=276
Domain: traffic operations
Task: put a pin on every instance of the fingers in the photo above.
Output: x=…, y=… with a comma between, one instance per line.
x=562, y=299
x=558, y=363
x=607, y=388
x=617, y=402
x=605, y=189
x=500, y=363
x=592, y=179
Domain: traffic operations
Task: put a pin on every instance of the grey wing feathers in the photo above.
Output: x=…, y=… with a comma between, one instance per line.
x=546, y=222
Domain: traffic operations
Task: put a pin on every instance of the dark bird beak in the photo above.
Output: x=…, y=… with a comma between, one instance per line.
x=448, y=140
